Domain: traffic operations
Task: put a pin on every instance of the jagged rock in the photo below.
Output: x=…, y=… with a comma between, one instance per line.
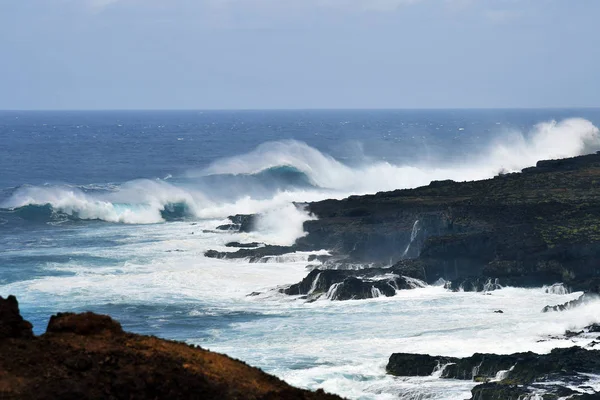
x=254, y=255
x=229, y=227
x=519, y=368
x=88, y=356
x=352, y=284
x=474, y=284
x=246, y=222
x=404, y=364
x=239, y=223
x=12, y=324
x=581, y=300
x=353, y=288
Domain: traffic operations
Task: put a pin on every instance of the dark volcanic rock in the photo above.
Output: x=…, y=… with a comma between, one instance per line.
x=245, y=222
x=12, y=325
x=582, y=300
x=243, y=245
x=239, y=223
x=404, y=364
x=352, y=284
x=88, y=356
x=499, y=391
x=530, y=229
x=554, y=371
x=474, y=284
x=254, y=255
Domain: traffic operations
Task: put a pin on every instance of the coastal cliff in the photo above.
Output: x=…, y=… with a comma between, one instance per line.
x=89, y=356
x=533, y=228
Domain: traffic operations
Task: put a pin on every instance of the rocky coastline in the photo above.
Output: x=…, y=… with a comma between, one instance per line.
x=529, y=229
x=536, y=228
x=540, y=227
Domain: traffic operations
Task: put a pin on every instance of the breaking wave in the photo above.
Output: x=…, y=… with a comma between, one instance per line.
x=278, y=173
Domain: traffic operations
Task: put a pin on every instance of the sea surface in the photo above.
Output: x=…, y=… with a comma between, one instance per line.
x=112, y=212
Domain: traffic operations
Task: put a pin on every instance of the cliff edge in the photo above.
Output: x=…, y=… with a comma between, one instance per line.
x=89, y=356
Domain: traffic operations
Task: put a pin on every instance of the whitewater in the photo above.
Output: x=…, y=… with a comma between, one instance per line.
x=134, y=249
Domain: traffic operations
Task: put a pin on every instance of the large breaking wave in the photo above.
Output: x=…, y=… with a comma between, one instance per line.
x=277, y=173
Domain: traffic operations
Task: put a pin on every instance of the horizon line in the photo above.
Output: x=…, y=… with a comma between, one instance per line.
x=296, y=109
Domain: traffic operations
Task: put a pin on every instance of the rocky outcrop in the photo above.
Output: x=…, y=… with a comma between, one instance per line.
x=243, y=245
x=585, y=298
x=514, y=375
x=239, y=223
x=530, y=229
x=475, y=284
x=352, y=284
x=89, y=356
x=12, y=325
x=252, y=254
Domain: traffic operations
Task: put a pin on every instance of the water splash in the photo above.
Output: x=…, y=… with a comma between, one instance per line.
x=413, y=235
x=557, y=288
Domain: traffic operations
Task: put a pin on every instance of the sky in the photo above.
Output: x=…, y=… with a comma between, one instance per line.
x=308, y=54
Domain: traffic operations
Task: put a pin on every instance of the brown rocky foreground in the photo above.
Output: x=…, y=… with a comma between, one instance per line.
x=89, y=356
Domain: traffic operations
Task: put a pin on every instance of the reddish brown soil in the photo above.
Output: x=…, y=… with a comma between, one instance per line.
x=89, y=356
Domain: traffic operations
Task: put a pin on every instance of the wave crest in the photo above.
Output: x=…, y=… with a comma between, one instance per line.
x=278, y=173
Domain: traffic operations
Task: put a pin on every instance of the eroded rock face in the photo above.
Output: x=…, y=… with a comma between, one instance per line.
x=12, y=324
x=530, y=229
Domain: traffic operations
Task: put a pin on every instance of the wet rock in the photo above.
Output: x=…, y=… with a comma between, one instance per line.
x=239, y=223
x=474, y=284
x=404, y=364
x=519, y=368
x=245, y=222
x=253, y=255
x=581, y=300
x=12, y=324
x=499, y=391
x=229, y=227
x=243, y=245
x=352, y=284
x=353, y=288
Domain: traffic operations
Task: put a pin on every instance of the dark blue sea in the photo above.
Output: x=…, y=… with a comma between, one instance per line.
x=112, y=211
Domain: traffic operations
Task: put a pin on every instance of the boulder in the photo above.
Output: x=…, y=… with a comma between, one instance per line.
x=84, y=324
x=12, y=324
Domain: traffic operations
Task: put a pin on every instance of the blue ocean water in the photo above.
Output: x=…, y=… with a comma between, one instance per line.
x=112, y=212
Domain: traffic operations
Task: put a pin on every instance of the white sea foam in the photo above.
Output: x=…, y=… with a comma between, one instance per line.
x=142, y=201
x=339, y=346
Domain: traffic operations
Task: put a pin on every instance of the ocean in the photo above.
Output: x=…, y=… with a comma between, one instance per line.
x=112, y=211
